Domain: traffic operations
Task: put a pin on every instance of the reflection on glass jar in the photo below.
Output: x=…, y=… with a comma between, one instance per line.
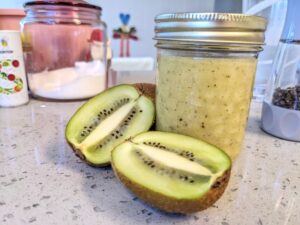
x=204, y=87
x=64, y=49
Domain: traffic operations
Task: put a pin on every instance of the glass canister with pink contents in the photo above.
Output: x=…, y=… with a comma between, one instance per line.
x=65, y=49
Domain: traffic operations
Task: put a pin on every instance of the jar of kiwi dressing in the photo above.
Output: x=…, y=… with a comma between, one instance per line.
x=206, y=70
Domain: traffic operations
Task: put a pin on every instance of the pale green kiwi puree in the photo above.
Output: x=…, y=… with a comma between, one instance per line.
x=206, y=98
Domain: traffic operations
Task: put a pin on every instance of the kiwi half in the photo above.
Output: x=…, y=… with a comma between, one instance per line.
x=108, y=119
x=172, y=172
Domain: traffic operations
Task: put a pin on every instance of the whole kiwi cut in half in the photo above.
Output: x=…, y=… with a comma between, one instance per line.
x=172, y=172
x=108, y=119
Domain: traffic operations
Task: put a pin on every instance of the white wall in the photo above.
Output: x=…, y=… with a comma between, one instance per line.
x=230, y=6
x=12, y=3
x=142, y=17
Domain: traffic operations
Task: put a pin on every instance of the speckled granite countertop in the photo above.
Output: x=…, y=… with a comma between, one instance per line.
x=42, y=182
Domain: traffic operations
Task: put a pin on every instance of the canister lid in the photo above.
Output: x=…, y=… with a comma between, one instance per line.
x=75, y=3
x=211, y=28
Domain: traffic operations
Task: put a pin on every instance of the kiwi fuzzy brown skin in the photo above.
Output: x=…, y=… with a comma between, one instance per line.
x=172, y=205
x=145, y=89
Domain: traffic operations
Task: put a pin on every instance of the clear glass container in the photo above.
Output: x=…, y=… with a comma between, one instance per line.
x=65, y=49
x=284, y=86
x=275, y=12
x=204, y=87
x=281, y=106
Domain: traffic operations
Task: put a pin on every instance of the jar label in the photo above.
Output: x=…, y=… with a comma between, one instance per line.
x=13, y=85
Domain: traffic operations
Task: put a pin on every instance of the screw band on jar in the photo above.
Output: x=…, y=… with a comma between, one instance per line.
x=210, y=31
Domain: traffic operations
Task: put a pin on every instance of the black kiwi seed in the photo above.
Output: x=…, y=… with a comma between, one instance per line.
x=141, y=110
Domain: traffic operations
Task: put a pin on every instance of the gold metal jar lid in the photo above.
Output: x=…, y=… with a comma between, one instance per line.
x=211, y=28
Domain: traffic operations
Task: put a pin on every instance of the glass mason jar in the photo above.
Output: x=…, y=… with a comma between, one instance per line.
x=65, y=49
x=206, y=70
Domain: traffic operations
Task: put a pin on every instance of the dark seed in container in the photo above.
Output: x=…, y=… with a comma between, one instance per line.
x=287, y=97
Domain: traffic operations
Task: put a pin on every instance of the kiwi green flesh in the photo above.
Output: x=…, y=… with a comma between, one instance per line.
x=89, y=115
x=166, y=172
x=107, y=120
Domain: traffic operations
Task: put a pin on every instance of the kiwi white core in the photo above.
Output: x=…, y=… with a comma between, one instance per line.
x=106, y=126
x=174, y=161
